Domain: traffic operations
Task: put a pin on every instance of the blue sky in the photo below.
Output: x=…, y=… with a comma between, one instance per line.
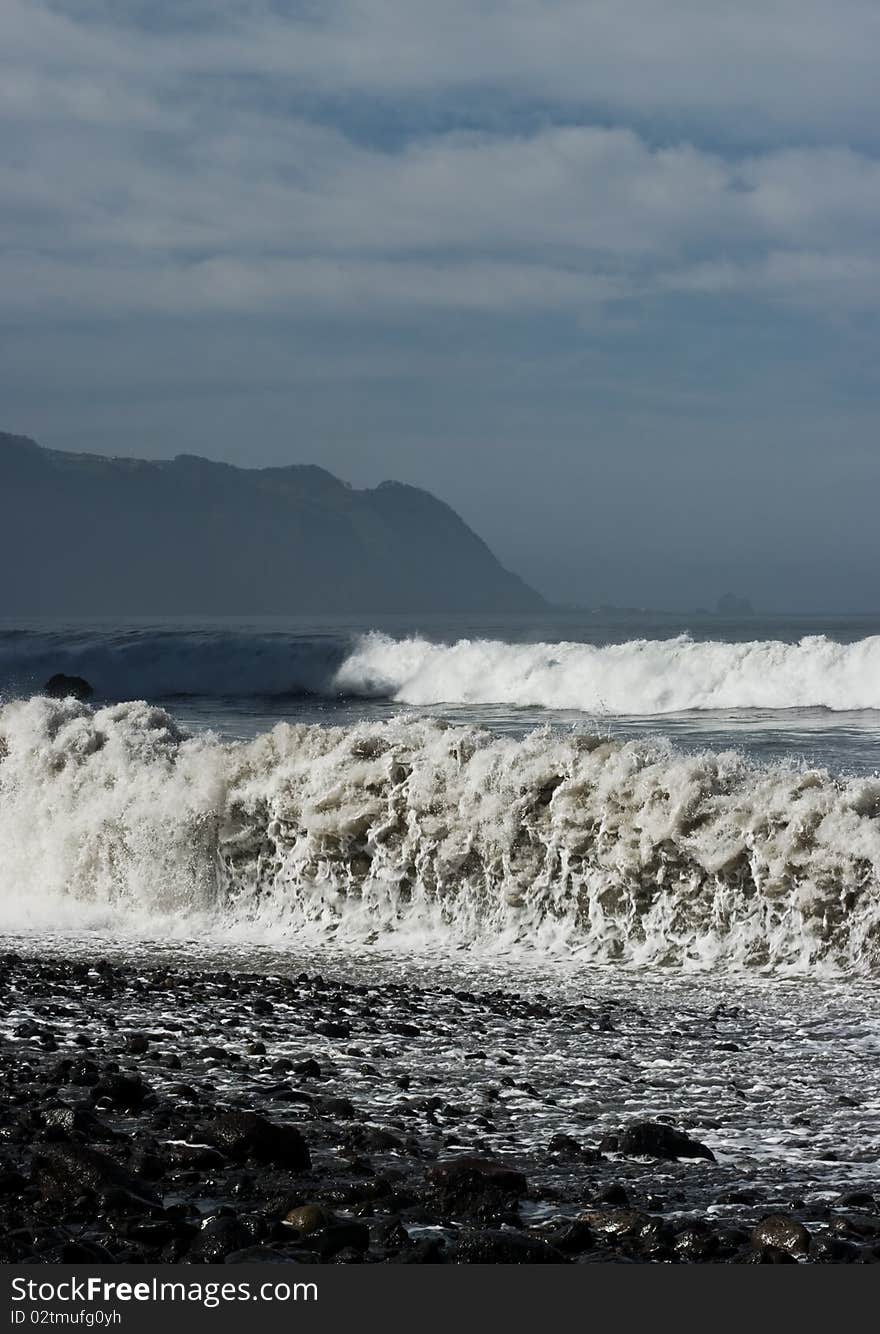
x=605, y=276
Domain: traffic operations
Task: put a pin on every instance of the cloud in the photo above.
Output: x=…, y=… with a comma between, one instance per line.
x=164, y=158
x=238, y=212
x=765, y=62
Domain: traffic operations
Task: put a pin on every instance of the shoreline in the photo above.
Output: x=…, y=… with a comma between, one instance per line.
x=160, y=1114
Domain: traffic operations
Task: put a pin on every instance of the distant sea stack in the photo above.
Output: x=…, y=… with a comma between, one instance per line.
x=84, y=535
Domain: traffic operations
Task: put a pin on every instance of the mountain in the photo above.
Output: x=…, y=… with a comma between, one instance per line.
x=84, y=535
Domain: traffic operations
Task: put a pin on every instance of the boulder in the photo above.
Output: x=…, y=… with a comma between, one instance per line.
x=124, y=1092
x=653, y=1139
x=66, y=1171
x=242, y=1135
x=475, y=1187
x=218, y=1238
x=308, y=1218
x=777, y=1232
x=495, y=1247
x=61, y=686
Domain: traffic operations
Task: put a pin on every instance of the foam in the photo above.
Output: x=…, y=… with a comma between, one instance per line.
x=414, y=833
x=637, y=677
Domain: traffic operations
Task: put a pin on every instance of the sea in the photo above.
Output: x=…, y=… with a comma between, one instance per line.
x=600, y=787
x=679, y=816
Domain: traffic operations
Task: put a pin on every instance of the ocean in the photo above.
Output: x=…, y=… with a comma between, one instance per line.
x=618, y=787
x=635, y=858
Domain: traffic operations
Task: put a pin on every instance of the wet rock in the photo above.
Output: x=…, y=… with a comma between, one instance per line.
x=125, y=1092
x=430, y=1251
x=67, y=1171
x=614, y=1193
x=778, y=1232
x=308, y=1218
x=338, y=1237
x=218, y=1238
x=474, y=1187
x=242, y=1135
x=62, y=686
x=186, y=1092
x=330, y=1029
x=696, y=1242
x=857, y=1225
x=269, y=1255
x=77, y=1121
x=770, y=1255
x=653, y=1139
x=495, y=1247
x=201, y=1157
x=565, y=1146
x=616, y=1222
x=856, y=1199
x=308, y=1069
x=343, y=1108
x=573, y=1238
x=833, y=1250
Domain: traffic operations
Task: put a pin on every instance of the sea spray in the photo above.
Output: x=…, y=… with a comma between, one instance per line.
x=414, y=832
x=640, y=676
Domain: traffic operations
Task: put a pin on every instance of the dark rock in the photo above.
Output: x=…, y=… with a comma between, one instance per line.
x=565, y=1146
x=125, y=1092
x=833, y=1250
x=243, y=1135
x=616, y=1222
x=696, y=1242
x=61, y=686
x=493, y=1247
x=308, y=1068
x=479, y=1188
x=198, y=1156
x=614, y=1194
x=78, y=1121
x=67, y=1171
x=218, y=1238
x=856, y=1199
x=653, y=1139
x=330, y=1029
x=307, y=1218
x=342, y=1108
x=770, y=1255
x=778, y=1232
x=269, y=1255
x=339, y=1237
x=573, y=1237
x=857, y=1225
x=428, y=1252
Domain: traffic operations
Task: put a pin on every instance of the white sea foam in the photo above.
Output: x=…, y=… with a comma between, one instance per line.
x=637, y=677
x=414, y=832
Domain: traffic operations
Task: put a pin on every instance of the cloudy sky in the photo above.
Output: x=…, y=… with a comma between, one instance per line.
x=603, y=274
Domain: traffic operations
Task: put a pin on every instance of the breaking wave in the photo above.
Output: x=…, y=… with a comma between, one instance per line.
x=638, y=677
x=416, y=832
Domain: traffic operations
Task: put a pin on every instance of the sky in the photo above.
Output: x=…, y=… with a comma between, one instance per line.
x=602, y=274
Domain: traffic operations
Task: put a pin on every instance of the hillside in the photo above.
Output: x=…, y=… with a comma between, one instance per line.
x=82, y=534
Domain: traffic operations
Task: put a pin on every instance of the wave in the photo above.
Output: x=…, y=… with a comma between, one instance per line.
x=166, y=663
x=416, y=832
x=638, y=677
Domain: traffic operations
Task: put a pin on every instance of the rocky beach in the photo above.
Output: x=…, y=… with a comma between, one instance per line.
x=157, y=1113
